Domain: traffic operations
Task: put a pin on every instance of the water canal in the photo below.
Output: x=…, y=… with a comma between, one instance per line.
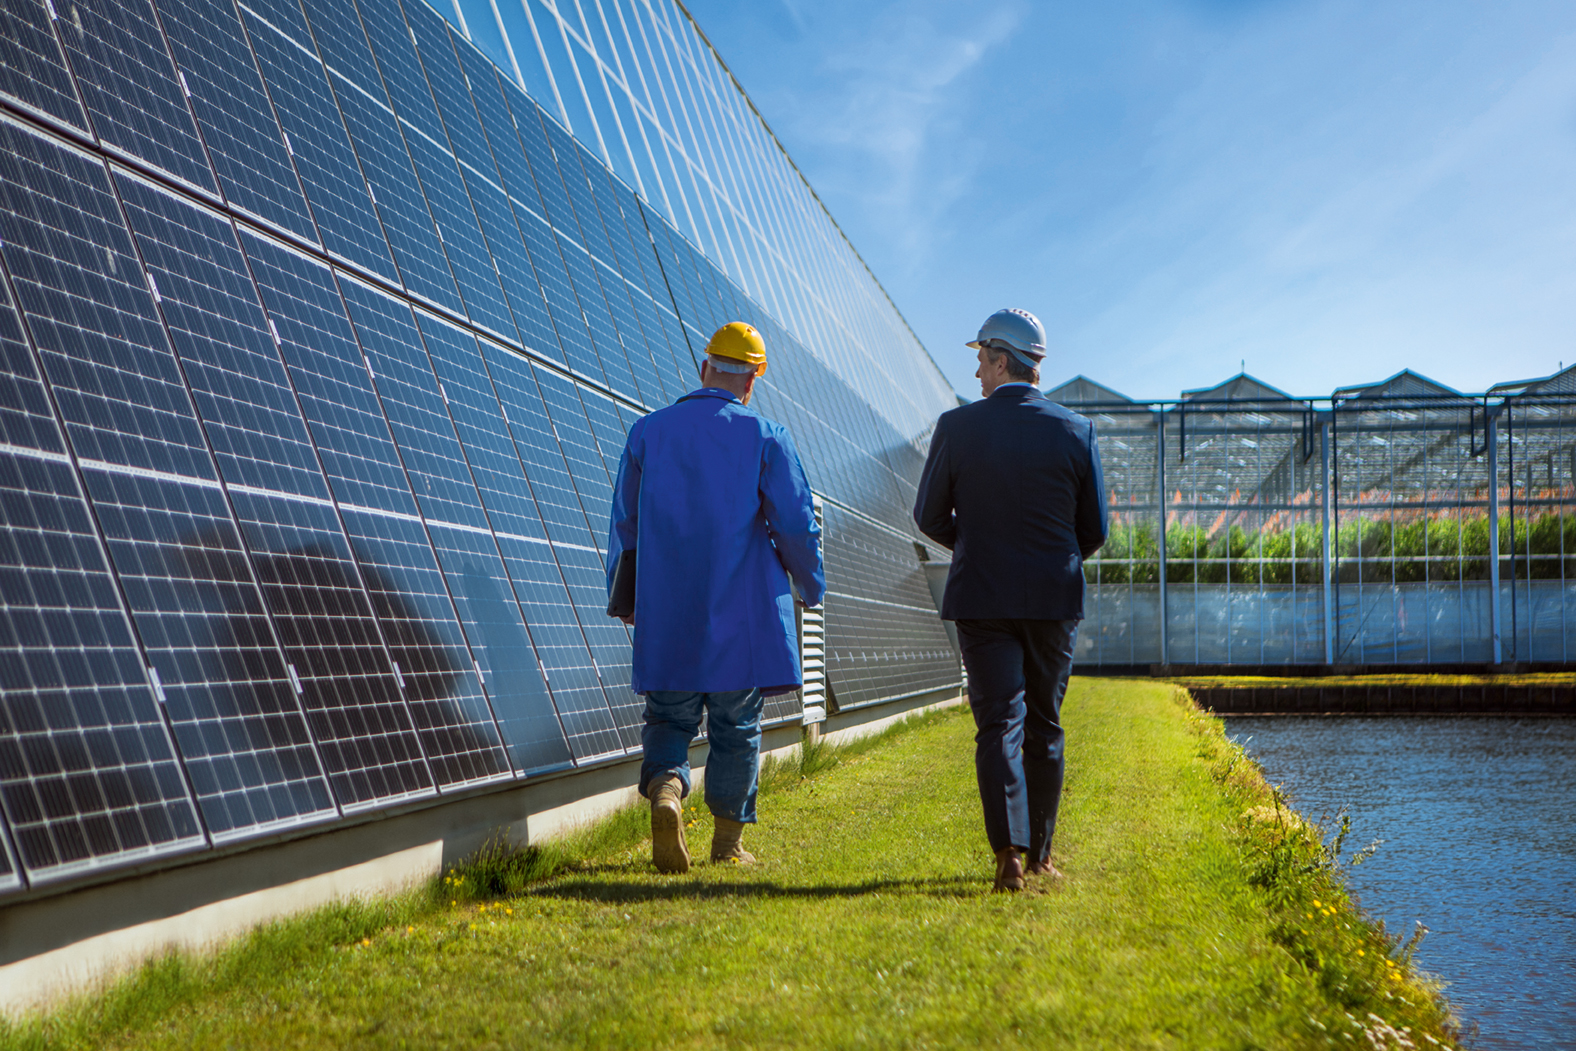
x=1476, y=815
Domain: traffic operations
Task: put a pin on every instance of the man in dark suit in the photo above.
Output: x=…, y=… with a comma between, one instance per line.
x=1013, y=486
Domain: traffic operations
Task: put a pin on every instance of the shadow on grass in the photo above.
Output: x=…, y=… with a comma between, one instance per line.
x=613, y=890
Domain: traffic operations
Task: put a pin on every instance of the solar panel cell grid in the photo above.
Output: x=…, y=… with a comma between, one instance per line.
x=227, y=353
x=133, y=93
x=571, y=166
x=566, y=659
x=413, y=402
x=86, y=301
x=32, y=67
x=26, y=419
x=402, y=74
x=647, y=385
x=433, y=662
x=316, y=141
x=584, y=566
x=883, y=638
x=612, y=367
x=533, y=571
x=529, y=123
x=574, y=549
x=449, y=87
x=330, y=375
x=336, y=31
x=354, y=707
x=88, y=775
x=397, y=196
x=236, y=716
x=505, y=238
x=573, y=337
x=461, y=236
x=524, y=314
x=499, y=123
x=505, y=658
x=233, y=112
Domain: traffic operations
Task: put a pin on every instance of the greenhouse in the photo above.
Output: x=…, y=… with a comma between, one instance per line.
x=1393, y=522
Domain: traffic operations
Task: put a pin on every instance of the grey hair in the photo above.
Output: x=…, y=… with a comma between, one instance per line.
x=1016, y=370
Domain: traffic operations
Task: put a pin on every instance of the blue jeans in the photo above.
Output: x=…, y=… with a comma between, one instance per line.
x=733, y=723
x=1018, y=672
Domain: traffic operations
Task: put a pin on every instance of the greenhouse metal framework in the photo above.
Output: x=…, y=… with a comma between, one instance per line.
x=323, y=324
x=1390, y=523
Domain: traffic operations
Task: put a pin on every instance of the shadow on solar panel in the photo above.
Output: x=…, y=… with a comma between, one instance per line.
x=432, y=679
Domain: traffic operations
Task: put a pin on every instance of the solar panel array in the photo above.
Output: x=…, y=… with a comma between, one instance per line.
x=320, y=344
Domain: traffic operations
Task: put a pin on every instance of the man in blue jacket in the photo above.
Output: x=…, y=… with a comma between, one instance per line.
x=712, y=498
x=1013, y=486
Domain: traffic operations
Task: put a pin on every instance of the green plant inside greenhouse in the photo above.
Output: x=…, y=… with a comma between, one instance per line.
x=1374, y=550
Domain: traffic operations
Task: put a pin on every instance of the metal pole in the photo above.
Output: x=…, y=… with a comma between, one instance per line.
x=1324, y=512
x=1510, y=490
x=1160, y=480
x=1490, y=427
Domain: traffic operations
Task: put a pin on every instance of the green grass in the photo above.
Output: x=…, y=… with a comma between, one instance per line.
x=1196, y=913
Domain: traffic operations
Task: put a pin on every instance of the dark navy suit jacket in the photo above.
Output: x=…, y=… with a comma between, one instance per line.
x=1013, y=487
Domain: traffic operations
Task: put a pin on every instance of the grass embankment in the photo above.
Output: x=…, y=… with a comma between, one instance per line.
x=1424, y=681
x=1196, y=913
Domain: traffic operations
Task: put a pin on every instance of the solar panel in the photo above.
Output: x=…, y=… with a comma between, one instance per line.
x=584, y=565
x=473, y=267
x=402, y=73
x=589, y=722
x=500, y=223
x=569, y=323
x=506, y=494
x=335, y=383
x=314, y=591
x=315, y=138
x=32, y=67
x=88, y=774
x=232, y=704
x=408, y=224
x=134, y=95
x=883, y=638
x=450, y=86
x=338, y=35
x=417, y=408
x=10, y=875
x=88, y=304
x=233, y=112
x=227, y=354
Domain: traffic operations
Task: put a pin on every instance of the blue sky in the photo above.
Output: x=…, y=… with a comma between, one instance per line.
x=1328, y=191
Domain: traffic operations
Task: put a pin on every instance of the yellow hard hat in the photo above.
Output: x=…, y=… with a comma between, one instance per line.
x=738, y=341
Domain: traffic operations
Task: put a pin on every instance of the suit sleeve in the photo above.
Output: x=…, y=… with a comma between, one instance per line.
x=1090, y=517
x=625, y=524
x=933, y=508
x=790, y=516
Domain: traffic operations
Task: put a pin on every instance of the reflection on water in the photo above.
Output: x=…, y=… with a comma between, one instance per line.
x=1479, y=844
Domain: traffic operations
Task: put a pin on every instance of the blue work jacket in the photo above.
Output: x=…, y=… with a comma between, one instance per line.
x=713, y=499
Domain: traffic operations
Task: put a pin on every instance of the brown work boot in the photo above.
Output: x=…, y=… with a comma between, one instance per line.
x=1009, y=870
x=1046, y=869
x=725, y=842
x=668, y=850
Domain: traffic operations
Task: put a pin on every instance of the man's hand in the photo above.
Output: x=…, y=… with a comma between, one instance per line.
x=630, y=620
